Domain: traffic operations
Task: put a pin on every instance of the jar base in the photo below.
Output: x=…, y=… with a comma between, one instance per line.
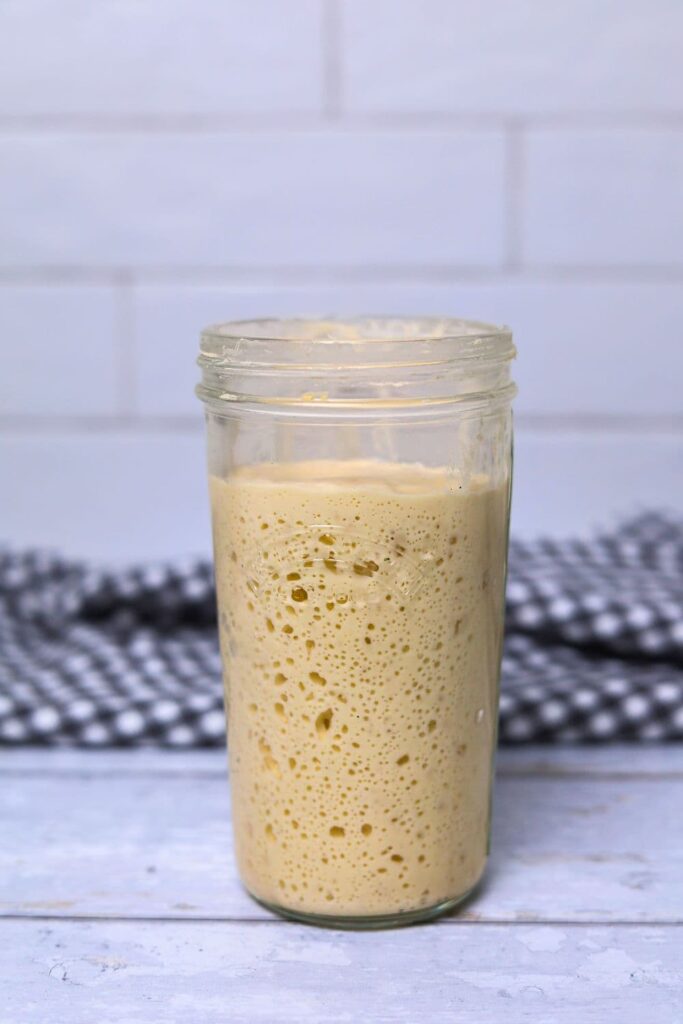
x=370, y=922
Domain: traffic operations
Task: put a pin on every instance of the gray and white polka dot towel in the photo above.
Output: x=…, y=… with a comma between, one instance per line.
x=594, y=646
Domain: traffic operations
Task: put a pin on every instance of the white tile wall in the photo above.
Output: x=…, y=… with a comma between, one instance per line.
x=170, y=163
x=296, y=199
x=160, y=57
x=604, y=196
x=60, y=351
x=526, y=57
x=108, y=496
x=571, y=483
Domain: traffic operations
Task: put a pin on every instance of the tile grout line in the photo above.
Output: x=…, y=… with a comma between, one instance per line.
x=332, y=63
x=340, y=275
x=291, y=121
x=125, y=422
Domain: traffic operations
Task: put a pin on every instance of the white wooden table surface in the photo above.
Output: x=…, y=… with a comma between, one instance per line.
x=119, y=903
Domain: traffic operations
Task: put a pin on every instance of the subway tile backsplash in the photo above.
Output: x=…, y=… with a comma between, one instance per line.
x=167, y=164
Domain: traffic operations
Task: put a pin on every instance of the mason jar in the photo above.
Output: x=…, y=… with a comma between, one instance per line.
x=360, y=477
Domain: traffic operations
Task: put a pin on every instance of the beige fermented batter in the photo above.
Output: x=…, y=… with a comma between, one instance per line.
x=361, y=617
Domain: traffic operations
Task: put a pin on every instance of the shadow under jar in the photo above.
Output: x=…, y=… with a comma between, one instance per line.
x=360, y=477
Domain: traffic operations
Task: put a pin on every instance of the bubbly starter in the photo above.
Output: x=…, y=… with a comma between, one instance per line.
x=361, y=616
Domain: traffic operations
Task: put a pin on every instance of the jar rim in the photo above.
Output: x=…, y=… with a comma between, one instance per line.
x=457, y=339
x=362, y=362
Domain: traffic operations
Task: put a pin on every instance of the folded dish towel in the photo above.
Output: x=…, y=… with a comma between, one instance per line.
x=594, y=645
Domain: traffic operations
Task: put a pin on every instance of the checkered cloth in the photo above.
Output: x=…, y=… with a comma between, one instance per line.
x=594, y=647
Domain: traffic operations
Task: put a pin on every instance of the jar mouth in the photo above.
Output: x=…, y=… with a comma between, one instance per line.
x=343, y=360
x=362, y=340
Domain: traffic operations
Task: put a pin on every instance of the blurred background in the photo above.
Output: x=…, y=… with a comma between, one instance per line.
x=167, y=163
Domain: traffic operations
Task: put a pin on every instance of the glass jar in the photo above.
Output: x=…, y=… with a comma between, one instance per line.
x=360, y=478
